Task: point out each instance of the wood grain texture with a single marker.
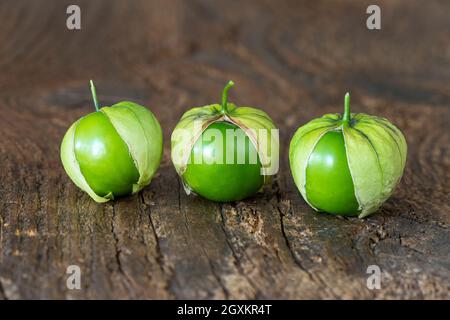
(293, 59)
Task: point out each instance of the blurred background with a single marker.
(295, 59)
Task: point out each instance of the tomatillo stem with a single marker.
(225, 97)
(94, 95)
(346, 117)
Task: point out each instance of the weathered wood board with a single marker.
(293, 59)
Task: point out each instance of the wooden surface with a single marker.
(293, 59)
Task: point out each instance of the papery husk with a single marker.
(141, 132)
(195, 121)
(376, 154)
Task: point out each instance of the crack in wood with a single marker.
(118, 251)
(216, 276)
(234, 254)
(288, 246)
(2, 291)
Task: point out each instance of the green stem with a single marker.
(225, 97)
(94, 95)
(346, 117)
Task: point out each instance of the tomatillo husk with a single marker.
(347, 164)
(114, 151)
(253, 136)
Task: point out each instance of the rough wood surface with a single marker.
(295, 60)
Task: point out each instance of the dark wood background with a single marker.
(295, 60)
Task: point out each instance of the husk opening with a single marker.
(195, 121)
(72, 167)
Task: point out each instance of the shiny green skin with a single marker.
(103, 156)
(223, 182)
(329, 185)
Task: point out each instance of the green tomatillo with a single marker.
(114, 151)
(225, 153)
(347, 164)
